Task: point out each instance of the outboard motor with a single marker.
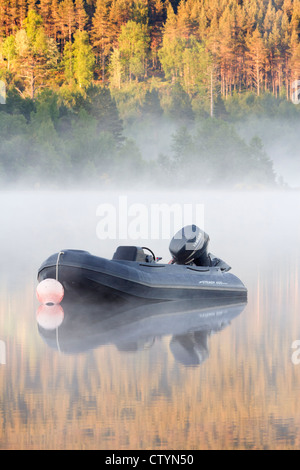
(189, 245)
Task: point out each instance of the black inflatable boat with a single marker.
(192, 274)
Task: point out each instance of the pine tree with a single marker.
(101, 32)
(199, 20)
(67, 19)
(276, 55)
(213, 45)
(36, 55)
(294, 49)
(269, 18)
(55, 14)
(3, 12)
(184, 25)
(45, 10)
(256, 57)
(13, 15)
(22, 11)
(227, 51)
(294, 63)
(102, 107)
(80, 15)
(156, 18)
(170, 31)
(139, 12)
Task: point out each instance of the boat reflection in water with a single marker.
(76, 327)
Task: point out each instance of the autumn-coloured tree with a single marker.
(81, 16)
(3, 10)
(45, 10)
(35, 55)
(101, 32)
(156, 19)
(294, 52)
(256, 57)
(67, 17)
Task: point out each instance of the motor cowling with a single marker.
(189, 245)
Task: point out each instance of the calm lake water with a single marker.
(205, 378)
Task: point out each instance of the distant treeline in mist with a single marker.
(81, 138)
(81, 75)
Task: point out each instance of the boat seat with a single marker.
(129, 253)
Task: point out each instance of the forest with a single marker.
(100, 91)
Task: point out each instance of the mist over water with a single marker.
(245, 150)
(280, 139)
(36, 223)
(131, 386)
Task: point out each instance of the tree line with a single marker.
(80, 74)
(210, 46)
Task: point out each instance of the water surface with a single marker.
(218, 380)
